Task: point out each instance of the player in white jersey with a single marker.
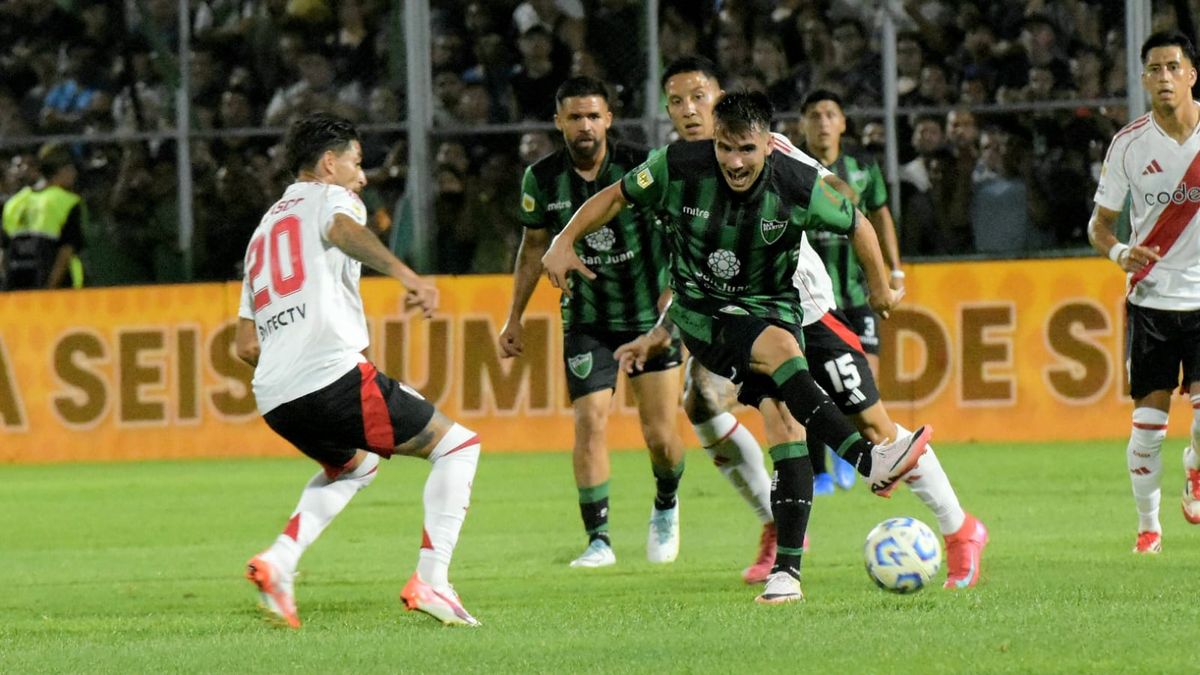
(301, 325)
(1155, 161)
(692, 88)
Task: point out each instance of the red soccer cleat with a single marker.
(761, 569)
(275, 588)
(1148, 543)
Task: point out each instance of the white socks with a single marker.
(739, 458)
(320, 502)
(1145, 464)
(447, 496)
(929, 483)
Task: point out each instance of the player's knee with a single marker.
(660, 438)
(773, 347)
(1149, 431)
(701, 402)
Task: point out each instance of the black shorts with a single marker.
(839, 363)
(727, 353)
(1160, 342)
(865, 324)
(591, 366)
(361, 409)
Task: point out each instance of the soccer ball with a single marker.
(902, 555)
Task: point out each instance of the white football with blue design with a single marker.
(902, 555)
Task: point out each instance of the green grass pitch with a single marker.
(122, 568)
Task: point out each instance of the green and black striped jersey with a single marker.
(628, 254)
(862, 173)
(736, 253)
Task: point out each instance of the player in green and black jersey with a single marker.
(824, 123)
(736, 213)
(609, 307)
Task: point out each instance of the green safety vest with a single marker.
(42, 214)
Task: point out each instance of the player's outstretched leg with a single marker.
(883, 465)
(323, 498)
(447, 496)
(1143, 454)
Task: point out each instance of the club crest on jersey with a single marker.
(580, 365)
(528, 203)
(772, 230)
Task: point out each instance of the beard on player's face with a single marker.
(585, 145)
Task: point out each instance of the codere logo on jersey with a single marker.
(527, 203)
(1182, 193)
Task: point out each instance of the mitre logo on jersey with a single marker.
(1182, 193)
(724, 264)
(772, 230)
(601, 240)
(580, 365)
(559, 206)
(695, 212)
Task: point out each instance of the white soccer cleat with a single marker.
(890, 462)
(662, 542)
(597, 554)
(1191, 492)
(781, 588)
(275, 589)
(440, 603)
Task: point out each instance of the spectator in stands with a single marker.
(973, 91)
(488, 217)
(1006, 208)
(42, 232)
(145, 211)
(537, 76)
(618, 48)
(927, 136)
(72, 94)
(677, 37)
(770, 60)
(910, 56)
(733, 54)
(856, 66)
(1087, 72)
(562, 19)
(493, 68)
(317, 89)
(474, 106)
(447, 90)
(534, 146)
(1039, 38)
(936, 221)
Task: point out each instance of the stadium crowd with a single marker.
(995, 184)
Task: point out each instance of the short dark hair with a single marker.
(817, 95)
(1170, 38)
(691, 64)
(309, 137)
(581, 85)
(53, 157)
(744, 111)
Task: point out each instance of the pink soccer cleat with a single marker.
(440, 603)
(275, 588)
(761, 569)
(1191, 497)
(964, 553)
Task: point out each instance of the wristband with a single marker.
(1114, 253)
(897, 274)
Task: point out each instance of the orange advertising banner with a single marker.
(984, 351)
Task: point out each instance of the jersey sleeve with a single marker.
(646, 184)
(245, 310)
(829, 210)
(1114, 182)
(533, 208)
(340, 200)
(875, 196)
